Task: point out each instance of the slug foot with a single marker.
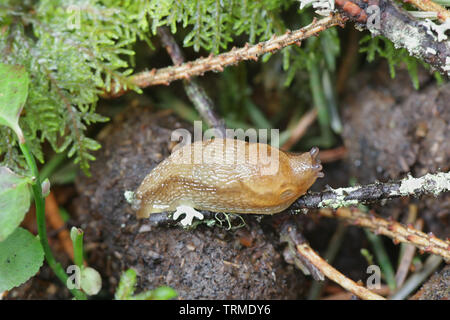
(190, 213)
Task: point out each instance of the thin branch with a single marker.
(345, 197)
(395, 230)
(331, 155)
(300, 129)
(407, 257)
(305, 252)
(195, 92)
(56, 222)
(431, 264)
(383, 291)
(407, 250)
(217, 63)
(333, 248)
(401, 28)
(430, 6)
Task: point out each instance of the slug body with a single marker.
(224, 175)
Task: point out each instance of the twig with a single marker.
(348, 61)
(395, 230)
(195, 92)
(430, 6)
(407, 257)
(408, 249)
(331, 155)
(217, 63)
(345, 197)
(333, 248)
(431, 264)
(289, 231)
(401, 28)
(55, 221)
(300, 129)
(383, 291)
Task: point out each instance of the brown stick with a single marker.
(383, 291)
(348, 61)
(57, 223)
(331, 155)
(430, 6)
(408, 256)
(290, 233)
(408, 249)
(195, 92)
(300, 129)
(395, 230)
(217, 63)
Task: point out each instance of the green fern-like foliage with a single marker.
(384, 48)
(75, 49)
(215, 23)
(72, 50)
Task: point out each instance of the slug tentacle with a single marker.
(315, 162)
(217, 184)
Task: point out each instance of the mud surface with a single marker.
(392, 129)
(438, 287)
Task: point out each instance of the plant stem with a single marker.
(330, 254)
(49, 168)
(431, 264)
(383, 259)
(78, 248)
(40, 217)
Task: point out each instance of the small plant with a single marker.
(127, 285)
(21, 253)
(86, 278)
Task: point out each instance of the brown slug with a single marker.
(224, 175)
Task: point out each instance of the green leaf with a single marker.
(161, 293)
(13, 94)
(21, 256)
(14, 201)
(126, 285)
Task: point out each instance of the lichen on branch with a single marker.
(433, 184)
(384, 17)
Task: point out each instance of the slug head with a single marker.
(306, 168)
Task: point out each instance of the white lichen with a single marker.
(339, 200)
(129, 196)
(447, 65)
(404, 36)
(437, 31)
(322, 7)
(430, 50)
(429, 183)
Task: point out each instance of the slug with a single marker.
(227, 175)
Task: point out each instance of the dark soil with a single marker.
(391, 129)
(438, 287)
